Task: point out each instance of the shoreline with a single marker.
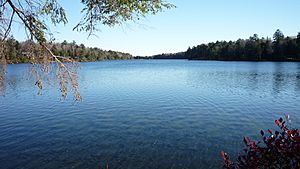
(236, 60)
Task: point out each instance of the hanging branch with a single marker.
(35, 28)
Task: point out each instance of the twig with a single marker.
(9, 27)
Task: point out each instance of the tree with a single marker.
(267, 49)
(11, 47)
(253, 49)
(33, 14)
(298, 38)
(278, 44)
(278, 36)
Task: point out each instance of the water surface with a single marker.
(145, 114)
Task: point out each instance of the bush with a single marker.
(279, 149)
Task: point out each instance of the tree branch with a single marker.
(9, 26)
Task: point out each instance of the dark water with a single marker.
(145, 114)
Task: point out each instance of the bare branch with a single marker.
(9, 26)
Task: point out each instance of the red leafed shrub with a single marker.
(279, 149)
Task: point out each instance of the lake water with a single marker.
(145, 114)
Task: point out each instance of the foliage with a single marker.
(114, 12)
(18, 52)
(253, 49)
(34, 14)
(279, 149)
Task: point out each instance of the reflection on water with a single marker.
(145, 114)
(297, 79)
(278, 78)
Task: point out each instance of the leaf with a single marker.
(262, 132)
(245, 141)
(223, 153)
(248, 138)
(270, 131)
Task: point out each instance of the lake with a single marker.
(144, 114)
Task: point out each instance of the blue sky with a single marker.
(193, 22)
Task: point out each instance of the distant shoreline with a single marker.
(237, 60)
(82, 61)
(290, 60)
(278, 49)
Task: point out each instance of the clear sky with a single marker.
(193, 22)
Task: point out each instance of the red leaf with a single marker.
(270, 131)
(248, 138)
(253, 145)
(223, 154)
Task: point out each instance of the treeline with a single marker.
(280, 48)
(20, 52)
(180, 55)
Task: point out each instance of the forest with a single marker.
(20, 52)
(279, 48)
